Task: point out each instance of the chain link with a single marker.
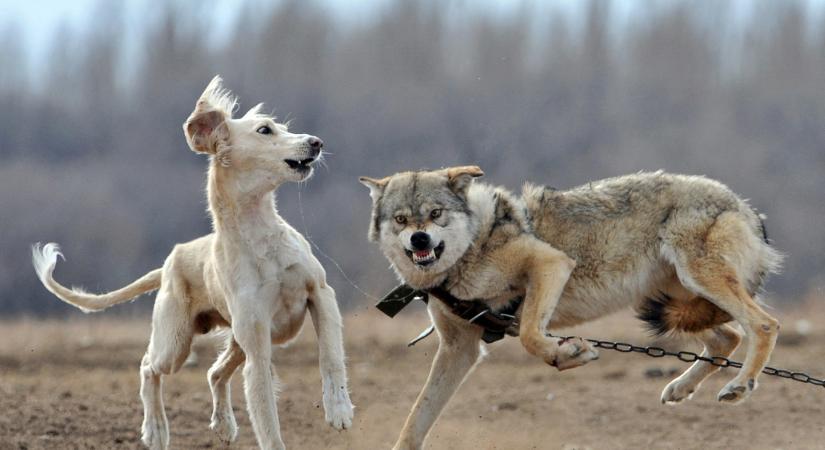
(685, 356)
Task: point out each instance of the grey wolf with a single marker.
(685, 251)
(254, 273)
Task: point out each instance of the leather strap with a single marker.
(496, 324)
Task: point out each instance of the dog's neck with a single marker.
(237, 207)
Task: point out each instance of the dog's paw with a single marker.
(736, 391)
(677, 391)
(225, 427)
(155, 433)
(338, 409)
(573, 352)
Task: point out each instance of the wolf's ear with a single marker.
(206, 126)
(376, 186)
(460, 178)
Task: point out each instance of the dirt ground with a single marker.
(74, 384)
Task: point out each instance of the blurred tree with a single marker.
(94, 155)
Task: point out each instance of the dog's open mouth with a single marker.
(301, 165)
(426, 257)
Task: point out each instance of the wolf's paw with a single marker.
(677, 391)
(573, 352)
(338, 409)
(225, 427)
(736, 391)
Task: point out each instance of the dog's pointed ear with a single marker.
(206, 126)
(460, 178)
(376, 186)
(254, 110)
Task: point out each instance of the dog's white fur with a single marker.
(254, 272)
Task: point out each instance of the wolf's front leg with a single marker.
(328, 325)
(548, 270)
(458, 350)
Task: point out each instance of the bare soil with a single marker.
(74, 384)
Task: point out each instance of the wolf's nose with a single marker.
(420, 240)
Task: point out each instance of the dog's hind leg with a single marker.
(168, 347)
(329, 327)
(458, 351)
(155, 429)
(719, 341)
(712, 267)
(223, 418)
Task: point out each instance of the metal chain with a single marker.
(719, 361)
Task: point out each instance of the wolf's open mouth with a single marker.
(426, 257)
(300, 165)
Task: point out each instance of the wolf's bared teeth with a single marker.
(429, 256)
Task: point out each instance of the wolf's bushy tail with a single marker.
(44, 259)
(664, 314)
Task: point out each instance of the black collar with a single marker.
(495, 323)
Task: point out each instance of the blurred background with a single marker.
(93, 95)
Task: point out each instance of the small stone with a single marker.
(654, 372)
(803, 327)
(615, 375)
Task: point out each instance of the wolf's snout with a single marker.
(420, 240)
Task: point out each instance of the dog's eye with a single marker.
(264, 130)
(435, 214)
(401, 220)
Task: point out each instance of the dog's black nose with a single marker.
(420, 240)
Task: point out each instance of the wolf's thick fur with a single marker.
(254, 273)
(684, 250)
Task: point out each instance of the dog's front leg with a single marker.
(252, 332)
(328, 326)
(547, 271)
(458, 350)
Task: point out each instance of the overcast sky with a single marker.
(38, 20)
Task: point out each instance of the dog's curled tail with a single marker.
(44, 259)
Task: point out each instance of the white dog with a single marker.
(254, 273)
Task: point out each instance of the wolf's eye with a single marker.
(401, 220)
(435, 214)
(264, 130)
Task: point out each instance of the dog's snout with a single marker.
(420, 240)
(315, 143)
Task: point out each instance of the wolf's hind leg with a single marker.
(719, 341)
(710, 267)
